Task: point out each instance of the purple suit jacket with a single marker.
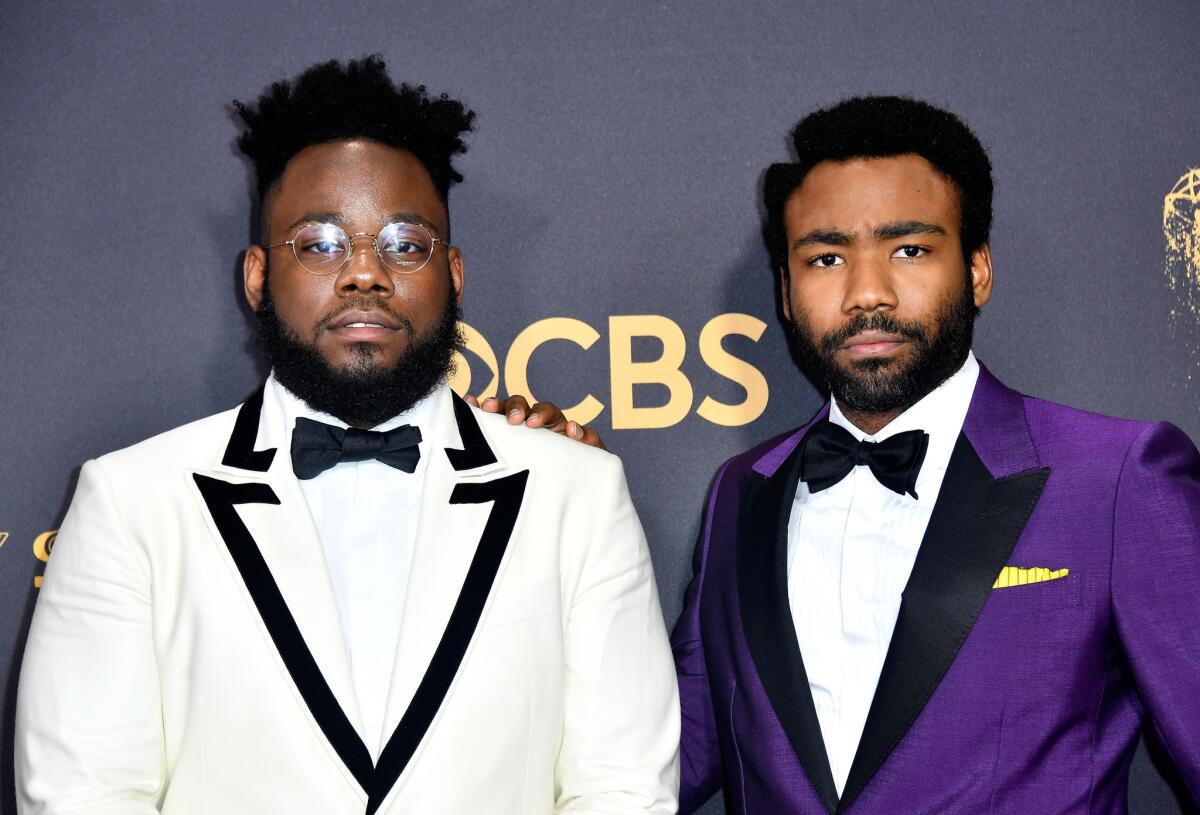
(1023, 699)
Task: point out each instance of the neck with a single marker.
(870, 423)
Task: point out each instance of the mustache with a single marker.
(861, 323)
(364, 304)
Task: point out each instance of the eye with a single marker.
(321, 247)
(320, 241)
(826, 261)
(910, 252)
(401, 247)
(405, 243)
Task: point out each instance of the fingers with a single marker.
(516, 408)
(471, 400)
(547, 415)
(587, 435)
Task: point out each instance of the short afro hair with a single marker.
(880, 127)
(332, 101)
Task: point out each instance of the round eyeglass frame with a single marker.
(434, 241)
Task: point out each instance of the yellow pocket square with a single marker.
(1020, 576)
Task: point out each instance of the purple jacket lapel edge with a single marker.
(997, 428)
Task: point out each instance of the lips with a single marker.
(873, 343)
(364, 326)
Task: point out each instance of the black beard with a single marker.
(365, 393)
(881, 386)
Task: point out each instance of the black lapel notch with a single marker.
(763, 513)
(240, 452)
(971, 534)
(475, 451)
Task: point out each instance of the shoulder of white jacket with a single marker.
(521, 446)
(193, 445)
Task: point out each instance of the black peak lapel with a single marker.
(506, 495)
(766, 505)
(221, 497)
(475, 452)
(240, 451)
(972, 531)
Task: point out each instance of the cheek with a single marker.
(936, 299)
(424, 297)
(300, 302)
(815, 306)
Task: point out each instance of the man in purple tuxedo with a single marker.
(939, 595)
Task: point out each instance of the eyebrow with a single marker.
(898, 229)
(902, 229)
(318, 217)
(329, 217)
(414, 218)
(832, 237)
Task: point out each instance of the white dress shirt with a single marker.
(365, 514)
(851, 548)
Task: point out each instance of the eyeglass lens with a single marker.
(324, 248)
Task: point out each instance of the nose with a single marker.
(364, 271)
(869, 287)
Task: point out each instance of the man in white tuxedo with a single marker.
(354, 593)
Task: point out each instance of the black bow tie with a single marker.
(830, 452)
(317, 446)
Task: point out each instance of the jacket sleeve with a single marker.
(1155, 580)
(620, 745)
(700, 754)
(89, 732)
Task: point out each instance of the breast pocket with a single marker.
(525, 602)
(1044, 595)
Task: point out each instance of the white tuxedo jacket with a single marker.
(186, 655)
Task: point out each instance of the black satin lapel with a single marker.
(220, 497)
(766, 505)
(475, 452)
(972, 531)
(506, 495)
(240, 452)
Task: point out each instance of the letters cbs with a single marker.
(624, 372)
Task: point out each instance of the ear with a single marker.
(981, 275)
(785, 296)
(254, 275)
(454, 255)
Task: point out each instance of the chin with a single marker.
(355, 353)
(874, 365)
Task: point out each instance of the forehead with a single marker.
(861, 193)
(363, 181)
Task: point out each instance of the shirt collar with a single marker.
(940, 413)
(289, 407)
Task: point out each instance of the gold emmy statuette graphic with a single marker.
(625, 372)
(1181, 230)
(3, 538)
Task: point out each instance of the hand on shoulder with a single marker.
(545, 415)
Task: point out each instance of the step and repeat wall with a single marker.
(610, 221)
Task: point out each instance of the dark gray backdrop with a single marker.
(614, 172)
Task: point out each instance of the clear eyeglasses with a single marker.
(323, 249)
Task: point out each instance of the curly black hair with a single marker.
(356, 99)
(878, 127)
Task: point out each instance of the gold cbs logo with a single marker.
(624, 372)
(42, 545)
